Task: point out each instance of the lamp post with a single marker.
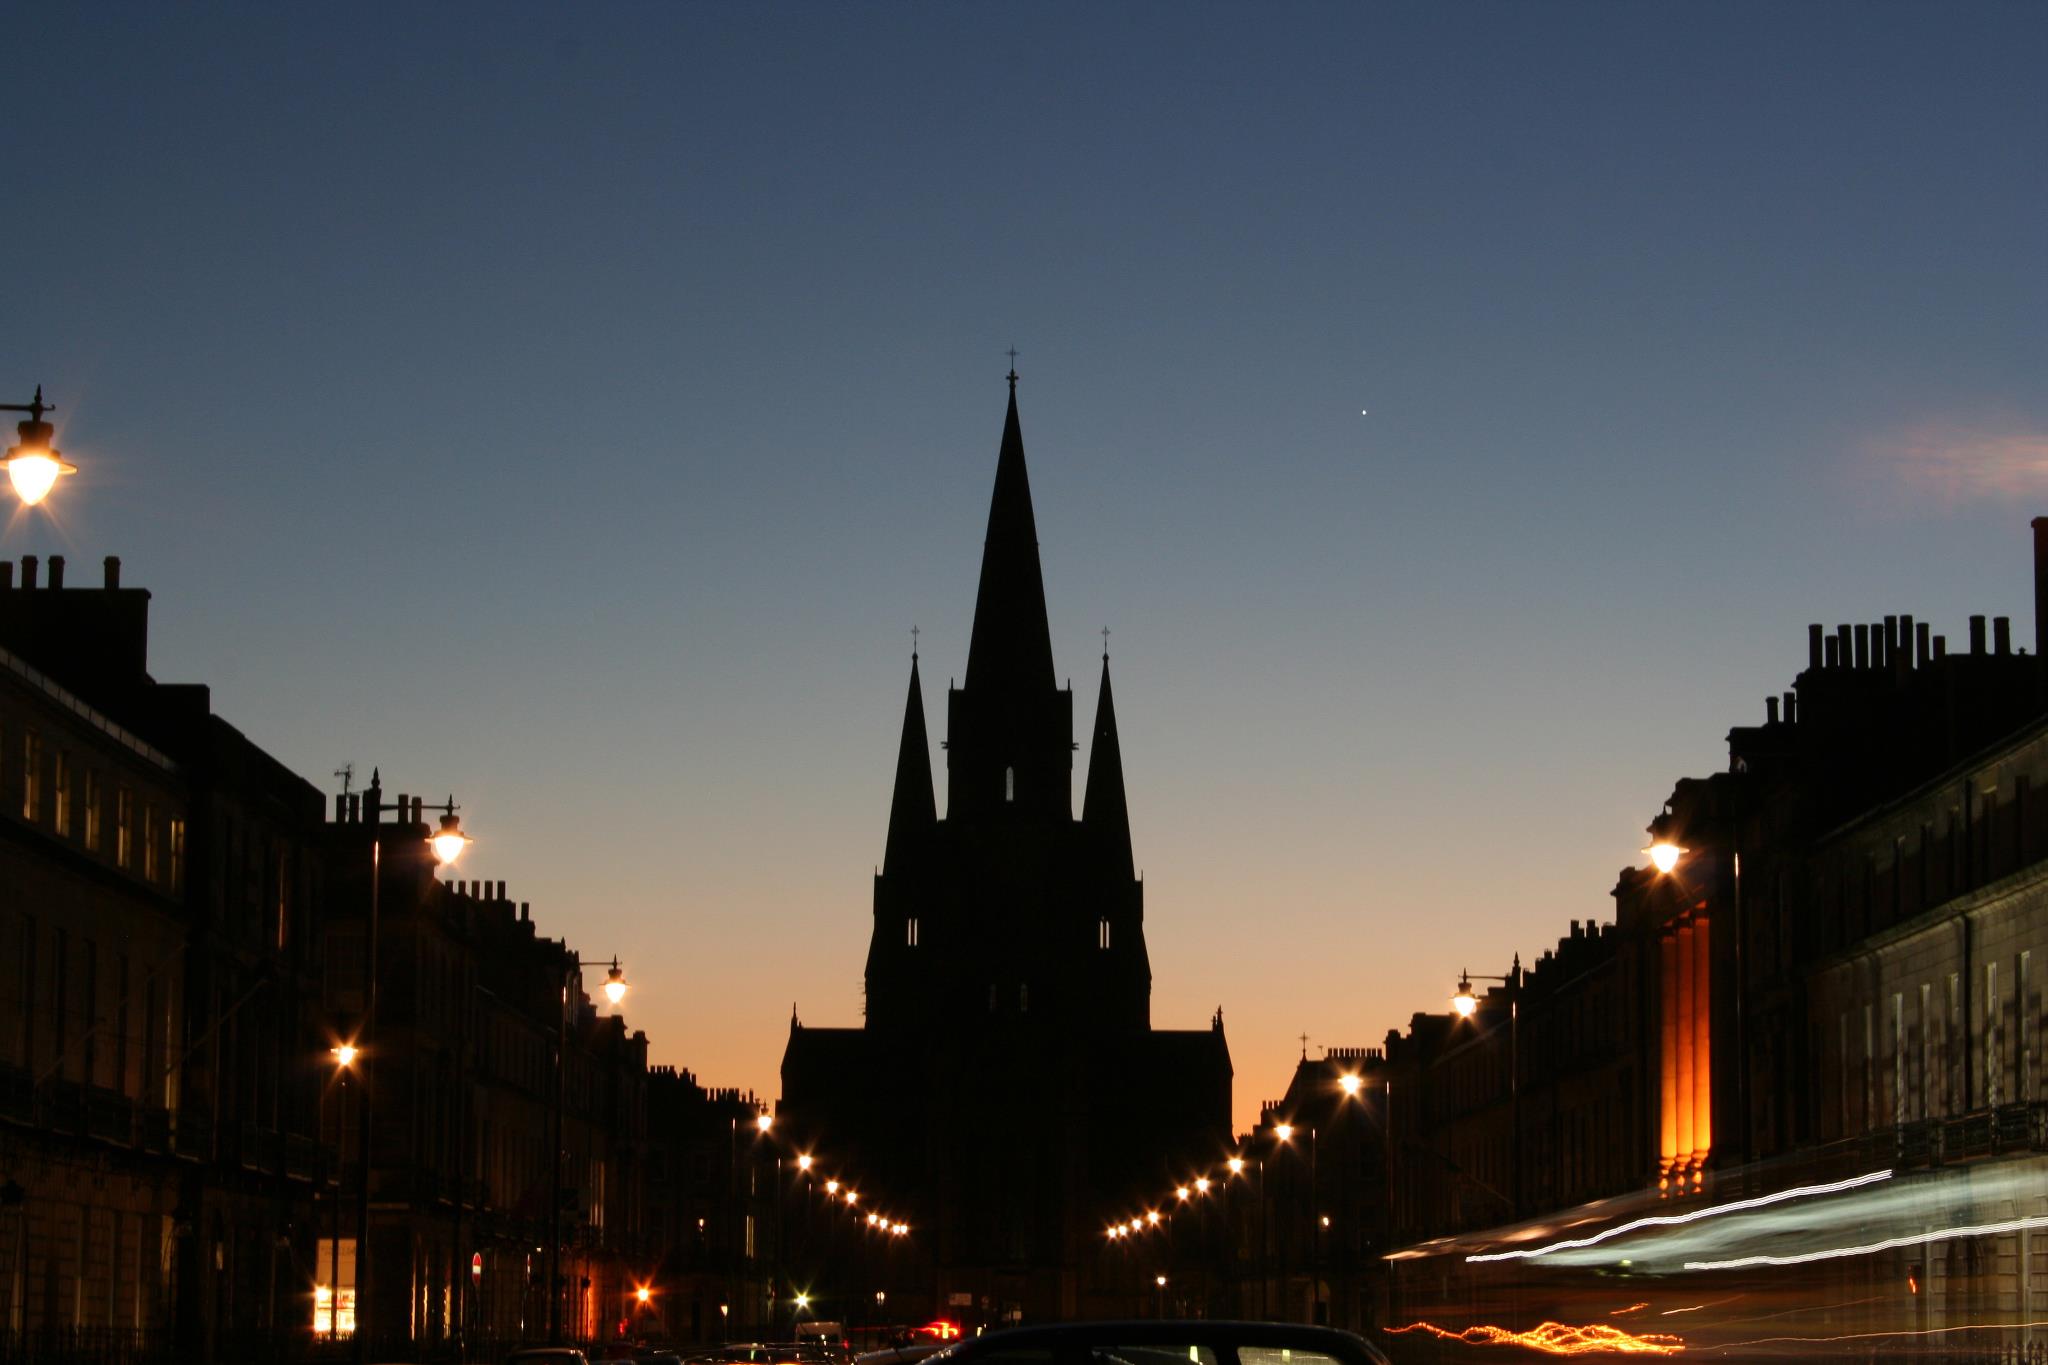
(447, 844)
(573, 968)
(34, 465)
(344, 1055)
(1467, 1005)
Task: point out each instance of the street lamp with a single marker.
(573, 968)
(1467, 1005)
(34, 465)
(1664, 855)
(447, 845)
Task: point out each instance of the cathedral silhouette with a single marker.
(1007, 1084)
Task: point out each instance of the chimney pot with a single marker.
(1791, 708)
(1941, 646)
(1891, 641)
(1922, 651)
(6, 575)
(1862, 646)
(56, 571)
(1834, 652)
(501, 892)
(1976, 635)
(2001, 631)
(1848, 649)
(2041, 586)
(1904, 658)
(113, 566)
(1770, 710)
(1813, 649)
(28, 571)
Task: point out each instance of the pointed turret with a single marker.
(912, 811)
(1011, 647)
(1104, 813)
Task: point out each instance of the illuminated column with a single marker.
(1702, 1046)
(1667, 1014)
(1685, 1045)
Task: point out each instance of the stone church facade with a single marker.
(1007, 1086)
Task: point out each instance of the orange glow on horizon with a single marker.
(1559, 1339)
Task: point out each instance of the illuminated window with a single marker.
(334, 1288)
(124, 827)
(92, 811)
(1009, 784)
(149, 842)
(31, 776)
(177, 855)
(1102, 932)
(910, 931)
(60, 790)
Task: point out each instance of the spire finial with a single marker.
(913, 644)
(1013, 354)
(1304, 1047)
(1105, 644)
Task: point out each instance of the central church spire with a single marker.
(1011, 647)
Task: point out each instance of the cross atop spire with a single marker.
(913, 644)
(1105, 644)
(1012, 353)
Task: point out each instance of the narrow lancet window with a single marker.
(1009, 784)
(1102, 932)
(910, 931)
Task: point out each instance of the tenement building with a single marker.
(1825, 989)
(1007, 1079)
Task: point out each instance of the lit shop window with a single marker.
(334, 1292)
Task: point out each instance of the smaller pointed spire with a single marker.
(1104, 811)
(912, 810)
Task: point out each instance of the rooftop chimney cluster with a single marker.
(31, 570)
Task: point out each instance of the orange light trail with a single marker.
(1630, 1309)
(1560, 1339)
(1900, 1332)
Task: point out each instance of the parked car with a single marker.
(1156, 1342)
(548, 1355)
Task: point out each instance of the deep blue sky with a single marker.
(575, 407)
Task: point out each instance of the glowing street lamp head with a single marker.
(615, 983)
(853, 1196)
(803, 1161)
(832, 1187)
(344, 1054)
(1182, 1193)
(1284, 1131)
(1152, 1217)
(34, 465)
(1464, 1002)
(449, 841)
(643, 1293)
(803, 1300)
(1664, 856)
(764, 1122)
(1159, 1280)
(1236, 1165)
(1348, 1083)
(1202, 1184)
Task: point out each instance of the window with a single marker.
(177, 855)
(910, 931)
(31, 776)
(92, 811)
(1993, 1071)
(1102, 932)
(124, 827)
(1009, 784)
(149, 858)
(60, 791)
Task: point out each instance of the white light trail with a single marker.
(1665, 1220)
(1869, 1248)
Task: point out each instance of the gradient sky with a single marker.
(574, 408)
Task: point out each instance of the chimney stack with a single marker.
(6, 575)
(1848, 650)
(28, 572)
(113, 571)
(1834, 652)
(56, 571)
(1770, 710)
(1813, 649)
(1976, 635)
(1922, 652)
(1862, 646)
(2001, 631)
(1791, 708)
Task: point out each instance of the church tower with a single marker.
(1006, 1082)
(1009, 907)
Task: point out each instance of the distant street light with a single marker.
(34, 465)
(1349, 1083)
(1467, 1004)
(343, 1054)
(764, 1122)
(1664, 855)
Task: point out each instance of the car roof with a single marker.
(1344, 1346)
